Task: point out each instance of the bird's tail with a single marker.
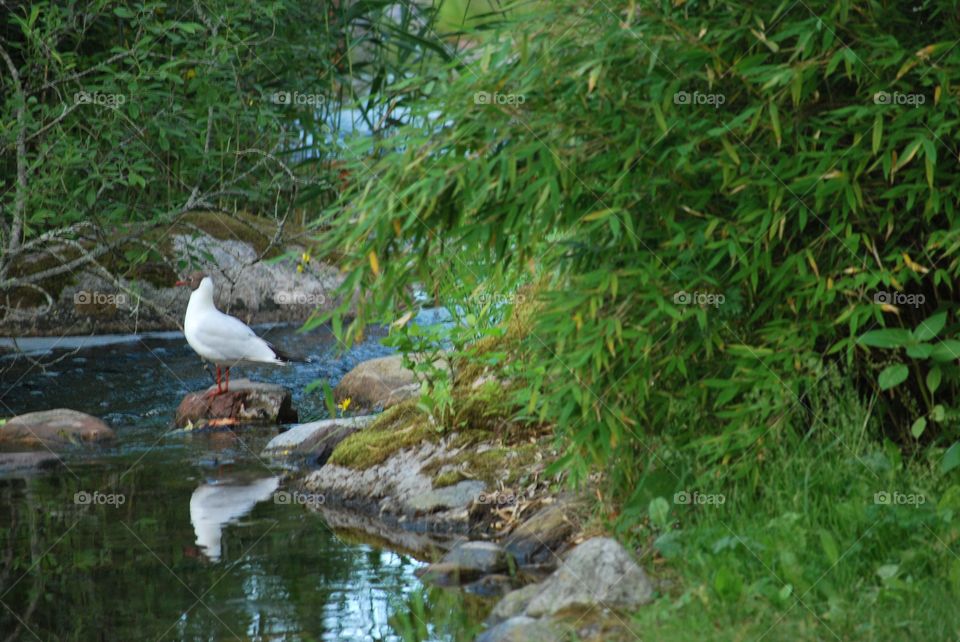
(285, 358)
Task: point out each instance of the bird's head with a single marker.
(193, 280)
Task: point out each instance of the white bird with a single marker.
(220, 338)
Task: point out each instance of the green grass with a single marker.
(801, 550)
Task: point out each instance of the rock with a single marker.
(495, 585)
(314, 441)
(485, 557)
(398, 492)
(379, 383)
(54, 429)
(443, 574)
(246, 402)
(539, 539)
(458, 496)
(524, 629)
(513, 603)
(11, 463)
(466, 562)
(597, 572)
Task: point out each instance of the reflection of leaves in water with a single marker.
(452, 615)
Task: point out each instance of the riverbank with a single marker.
(132, 290)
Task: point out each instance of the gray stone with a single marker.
(466, 562)
(597, 572)
(458, 496)
(485, 557)
(379, 383)
(315, 440)
(54, 429)
(524, 629)
(399, 492)
(513, 603)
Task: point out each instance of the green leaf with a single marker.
(931, 327)
(951, 459)
(829, 545)
(919, 351)
(893, 376)
(934, 377)
(946, 350)
(886, 338)
(918, 427)
(877, 132)
(659, 511)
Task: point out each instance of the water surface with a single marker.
(179, 536)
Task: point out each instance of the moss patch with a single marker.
(399, 427)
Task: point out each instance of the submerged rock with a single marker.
(58, 428)
(379, 383)
(246, 402)
(314, 441)
(11, 463)
(598, 572)
(524, 629)
(466, 562)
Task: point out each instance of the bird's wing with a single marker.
(233, 339)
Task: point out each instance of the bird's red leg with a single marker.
(227, 387)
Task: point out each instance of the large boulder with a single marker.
(379, 383)
(313, 442)
(54, 429)
(244, 403)
(598, 572)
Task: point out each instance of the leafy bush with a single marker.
(717, 196)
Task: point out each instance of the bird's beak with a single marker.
(179, 283)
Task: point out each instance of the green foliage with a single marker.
(717, 197)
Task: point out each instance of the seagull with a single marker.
(221, 338)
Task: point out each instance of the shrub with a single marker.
(715, 196)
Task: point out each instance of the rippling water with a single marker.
(173, 536)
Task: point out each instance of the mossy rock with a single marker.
(402, 426)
